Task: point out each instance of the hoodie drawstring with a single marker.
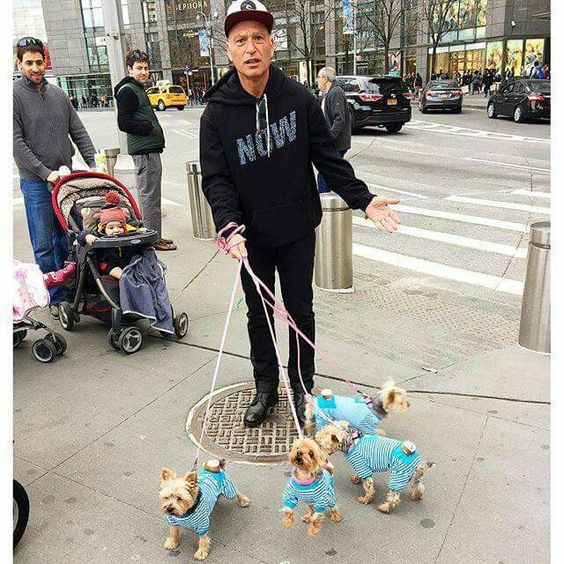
(268, 141)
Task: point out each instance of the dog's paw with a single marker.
(314, 528)
(336, 516)
(355, 479)
(365, 500)
(385, 508)
(416, 495)
(287, 522)
(380, 432)
(170, 543)
(201, 554)
(243, 501)
(306, 518)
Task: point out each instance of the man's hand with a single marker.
(381, 215)
(53, 177)
(238, 250)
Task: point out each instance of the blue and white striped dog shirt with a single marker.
(320, 494)
(212, 485)
(373, 453)
(354, 410)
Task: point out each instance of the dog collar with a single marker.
(312, 480)
(194, 507)
(378, 408)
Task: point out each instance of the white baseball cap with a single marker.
(243, 10)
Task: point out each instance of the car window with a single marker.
(519, 89)
(351, 85)
(152, 90)
(508, 89)
(540, 87)
(443, 84)
(176, 90)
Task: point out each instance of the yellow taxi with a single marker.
(165, 95)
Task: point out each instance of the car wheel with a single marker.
(491, 111)
(518, 115)
(161, 106)
(180, 107)
(394, 127)
(43, 350)
(130, 340)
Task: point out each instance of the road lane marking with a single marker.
(439, 270)
(184, 133)
(486, 221)
(532, 194)
(467, 242)
(171, 203)
(497, 204)
(387, 189)
(497, 163)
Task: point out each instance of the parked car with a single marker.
(383, 101)
(441, 95)
(522, 99)
(163, 96)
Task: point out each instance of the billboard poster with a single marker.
(494, 51)
(395, 63)
(472, 13)
(348, 17)
(204, 43)
(280, 37)
(534, 51)
(514, 56)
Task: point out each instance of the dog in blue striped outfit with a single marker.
(364, 413)
(368, 454)
(188, 502)
(311, 483)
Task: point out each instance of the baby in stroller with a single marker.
(118, 278)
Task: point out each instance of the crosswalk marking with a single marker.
(452, 239)
(510, 165)
(497, 204)
(477, 220)
(388, 189)
(532, 194)
(184, 133)
(440, 270)
(171, 203)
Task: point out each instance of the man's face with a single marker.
(139, 71)
(322, 82)
(250, 48)
(32, 66)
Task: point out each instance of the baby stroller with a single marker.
(30, 293)
(77, 200)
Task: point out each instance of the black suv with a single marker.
(383, 101)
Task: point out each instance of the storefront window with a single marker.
(475, 59)
(97, 53)
(534, 49)
(514, 56)
(494, 52)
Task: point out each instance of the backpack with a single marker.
(540, 74)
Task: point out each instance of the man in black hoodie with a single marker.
(260, 134)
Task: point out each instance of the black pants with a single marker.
(294, 263)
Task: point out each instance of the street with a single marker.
(436, 306)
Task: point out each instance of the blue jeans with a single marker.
(321, 184)
(48, 240)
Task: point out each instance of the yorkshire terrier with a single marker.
(311, 483)
(188, 502)
(373, 453)
(365, 414)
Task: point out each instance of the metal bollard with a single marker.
(126, 173)
(333, 246)
(202, 219)
(111, 156)
(534, 330)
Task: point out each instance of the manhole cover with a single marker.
(227, 437)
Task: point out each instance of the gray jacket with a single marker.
(43, 121)
(338, 117)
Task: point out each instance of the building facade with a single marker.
(180, 36)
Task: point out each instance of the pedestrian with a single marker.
(487, 81)
(336, 111)
(535, 70)
(145, 141)
(259, 135)
(546, 71)
(44, 118)
(418, 85)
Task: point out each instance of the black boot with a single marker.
(300, 404)
(256, 412)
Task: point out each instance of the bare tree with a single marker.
(384, 16)
(435, 15)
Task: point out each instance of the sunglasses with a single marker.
(261, 115)
(25, 41)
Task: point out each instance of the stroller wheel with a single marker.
(66, 316)
(181, 325)
(43, 350)
(113, 340)
(130, 340)
(19, 336)
(58, 340)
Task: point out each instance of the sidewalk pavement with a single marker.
(93, 429)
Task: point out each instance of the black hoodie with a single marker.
(265, 179)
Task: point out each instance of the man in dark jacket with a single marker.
(259, 136)
(145, 141)
(44, 124)
(335, 109)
